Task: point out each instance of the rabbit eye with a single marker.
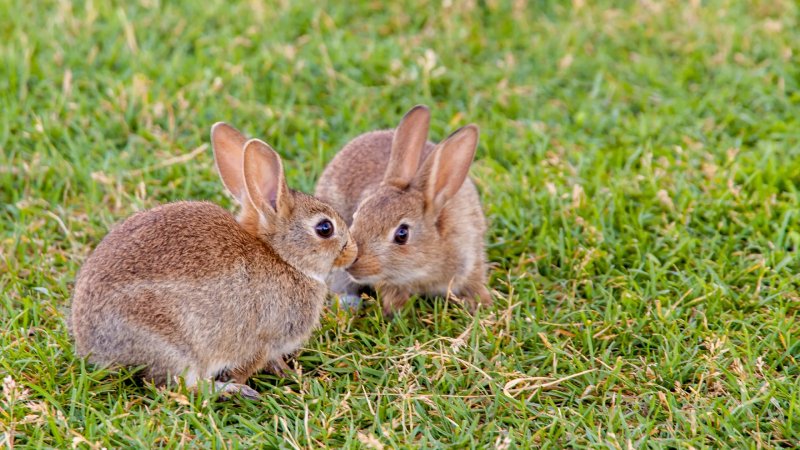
(324, 228)
(401, 234)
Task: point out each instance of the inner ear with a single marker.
(408, 141)
(264, 179)
(228, 145)
(443, 172)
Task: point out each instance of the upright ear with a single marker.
(443, 172)
(228, 144)
(409, 140)
(264, 180)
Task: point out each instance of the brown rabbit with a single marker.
(185, 289)
(414, 213)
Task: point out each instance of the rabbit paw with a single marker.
(229, 389)
(278, 367)
(351, 302)
(225, 375)
(392, 300)
(476, 296)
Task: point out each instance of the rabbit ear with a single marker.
(445, 169)
(409, 139)
(264, 179)
(228, 144)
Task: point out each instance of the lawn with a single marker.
(639, 165)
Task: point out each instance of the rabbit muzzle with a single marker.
(347, 256)
(365, 269)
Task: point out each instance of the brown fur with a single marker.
(383, 178)
(187, 289)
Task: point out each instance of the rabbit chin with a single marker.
(417, 276)
(316, 277)
(365, 280)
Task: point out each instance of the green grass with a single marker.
(639, 163)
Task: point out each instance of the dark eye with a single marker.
(324, 228)
(401, 234)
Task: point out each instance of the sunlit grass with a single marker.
(639, 164)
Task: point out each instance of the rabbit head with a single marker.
(409, 228)
(303, 231)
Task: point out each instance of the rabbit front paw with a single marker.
(278, 367)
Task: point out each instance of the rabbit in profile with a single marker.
(187, 289)
(413, 211)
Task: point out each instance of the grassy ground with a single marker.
(639, 163)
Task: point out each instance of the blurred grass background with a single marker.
(639, 164)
